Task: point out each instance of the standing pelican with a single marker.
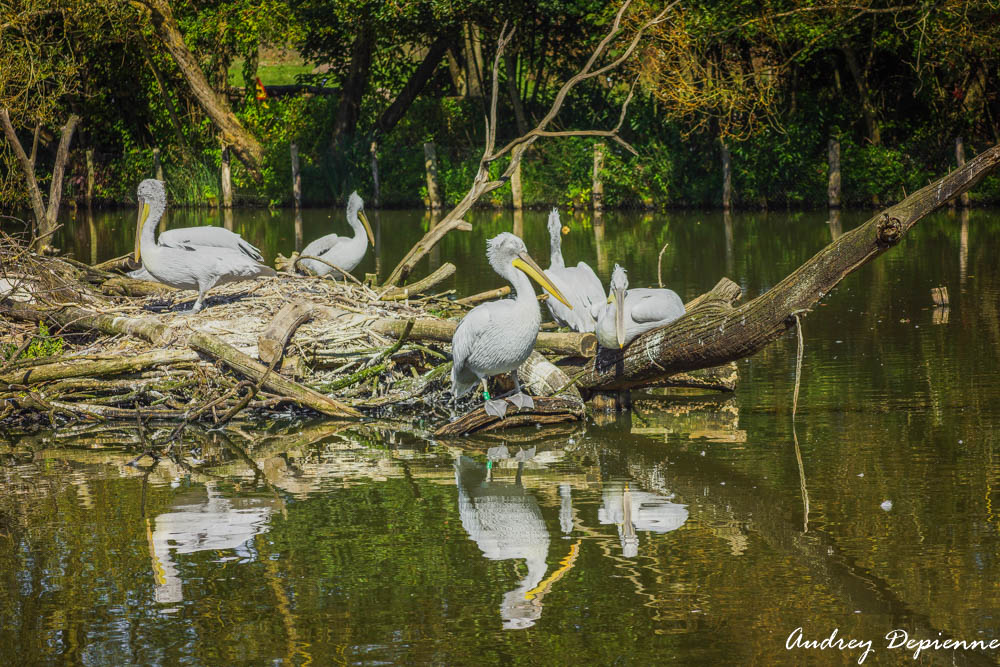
(579, 283)
(344, 252)
(629, 313)
(215, 237)
(497, 336)
(182, 266)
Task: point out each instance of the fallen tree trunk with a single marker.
(713, 332)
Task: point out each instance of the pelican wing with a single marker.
(590, 287)
(323, 244)
(465, 344)
(654, 305)
(215, 237)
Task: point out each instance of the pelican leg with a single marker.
(519, 399)
(494, 407)
(197, 304)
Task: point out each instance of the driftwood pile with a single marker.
(275, 346)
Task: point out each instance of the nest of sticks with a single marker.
(275, 347)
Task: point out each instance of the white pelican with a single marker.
(497, 336)
(182, 266)
(579, 283)
(344, 252)
(630, 312)
(638, 510)
(216, 237)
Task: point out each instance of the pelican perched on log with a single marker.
(497, 336)
(344, 252)
(186, 266)
(630, 312)
(579, 283)
(215, 237)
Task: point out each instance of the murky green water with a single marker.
(372, 544)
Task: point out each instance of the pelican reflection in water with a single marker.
(497, 336)
(635, 511)
(198, 524)
(505, 521)
(344, 252)
(186, 266)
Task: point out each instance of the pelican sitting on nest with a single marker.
(579, 283)
(344, 252)
(186, 266)
(497, 336)
(630, 312)
(215, 237)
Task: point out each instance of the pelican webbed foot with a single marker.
(521, 401)
(496, 408)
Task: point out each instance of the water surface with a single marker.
(314, 543)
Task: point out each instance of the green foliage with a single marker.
(41, 345)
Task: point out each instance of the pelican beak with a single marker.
(565, 230)
(619, 298)
(368, 227)
(524, 262)
(140, 222)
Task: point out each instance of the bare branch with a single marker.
(37, 205)
(482, 183)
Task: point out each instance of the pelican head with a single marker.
(619, 285)
(506, 251)
(356, 211)
(150, 191)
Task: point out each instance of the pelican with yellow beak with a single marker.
(344, 252)
(496, 337)
(630, 312)
(185, 266)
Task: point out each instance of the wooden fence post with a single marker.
(433, 189)
(296, 177)
(727, 179)
(90, 177)
(377, 194)
(833, 189)
(157, 166)
(960, 159)
(227, 180)
(597, 190)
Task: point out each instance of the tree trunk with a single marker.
(455, 70)
(89, 198)
(960, 161)
(167, 100)
(27, 166)
(296, 177)
(227, 180)
(248, 149)
(473, 60)
(349, 109)
(597, 189)
(414, 85)
(516, 192)
(433, 189)
(515, 97)
(833, 189)
(867, 108)
(727, 178)
(713, 332)
(45, 216)
(157, 165)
